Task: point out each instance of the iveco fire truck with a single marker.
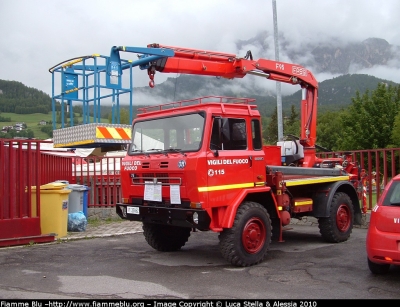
(200, 164)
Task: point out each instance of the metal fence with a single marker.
(102, 174)
(23, 167)
(378, 166)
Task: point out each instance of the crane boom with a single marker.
(227, 65)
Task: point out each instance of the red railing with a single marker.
(380, 165)
(23, 167)
(102, 176)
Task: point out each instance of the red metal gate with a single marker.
(102, 176)
(379, 165)
(23, 166)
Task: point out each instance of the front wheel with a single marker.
(165, 238)
(247, 242)
(339, 225)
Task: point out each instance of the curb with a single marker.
(106, 229)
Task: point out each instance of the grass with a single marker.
(94, 222)
(374, 199)
(32, 122)
(373, 202)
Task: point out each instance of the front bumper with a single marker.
(182, 217)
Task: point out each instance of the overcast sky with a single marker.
(38, 34)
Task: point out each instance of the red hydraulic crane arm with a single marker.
(226, 65)
(296, 74)
(196, 53)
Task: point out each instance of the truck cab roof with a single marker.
(218, 104)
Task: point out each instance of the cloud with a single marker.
(38, 34)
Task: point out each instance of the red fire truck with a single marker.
(200, 164)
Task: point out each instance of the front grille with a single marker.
(163, 178)
(163, 164)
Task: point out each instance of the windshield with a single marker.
(175, 133)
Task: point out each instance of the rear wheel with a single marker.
(339, 225)
(378, 268)
(247, 242)
(165, 238)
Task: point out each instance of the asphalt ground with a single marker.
(111, 260)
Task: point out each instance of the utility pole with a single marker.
(278, 84)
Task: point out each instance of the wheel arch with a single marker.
(322, 199)
(262, 196)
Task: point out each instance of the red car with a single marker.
(383, 235)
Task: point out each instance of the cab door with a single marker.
(229, 160)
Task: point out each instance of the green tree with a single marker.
(48, 129)
(270, 133)
(58, 117)
(329, 130)
(396, 125)
(123, 115)
(368, 123)
(13, 133)
(292, 123)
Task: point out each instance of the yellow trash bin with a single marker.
(53, 208)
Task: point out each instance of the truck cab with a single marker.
(195, 159)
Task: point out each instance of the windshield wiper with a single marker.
(154, 149)
(175, 150)
(136, 151)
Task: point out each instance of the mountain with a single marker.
(334, 94)
(334, 57)
(15, 97)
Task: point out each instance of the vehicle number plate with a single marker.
(133, 210)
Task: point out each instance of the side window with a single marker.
(215, 140)
(228, 134)
(393, 196)
(256, 134)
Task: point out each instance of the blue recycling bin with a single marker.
(85, 200)
(78, 198)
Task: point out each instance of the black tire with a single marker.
(165, 238)
(378, 268)
(247, 242)
(339, 225)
